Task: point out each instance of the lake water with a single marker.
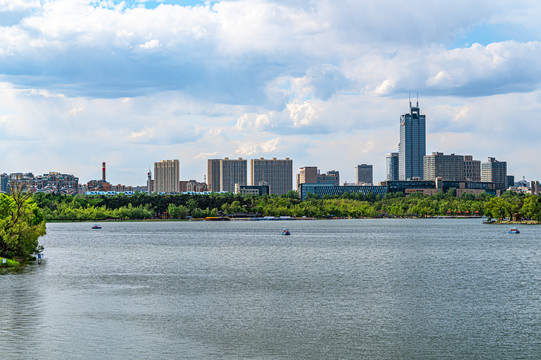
(336, 289)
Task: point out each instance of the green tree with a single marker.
(498, 208)
(21, 224)
(531, 207)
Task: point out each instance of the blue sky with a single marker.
(322, 82)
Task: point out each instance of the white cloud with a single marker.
(252, 149)
(206, 155)
(321, 82)
(152, 44)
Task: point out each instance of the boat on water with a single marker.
(514, 231)
(286, 232)
(96, 226)
(217, 218)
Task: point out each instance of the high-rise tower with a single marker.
(412, 147)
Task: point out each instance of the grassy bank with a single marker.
(9, 262)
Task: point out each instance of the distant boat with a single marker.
(514, 231)
(217, 218)
(286, 232)
(96, 226)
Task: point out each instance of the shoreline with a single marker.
(282, 219)
(512, 222)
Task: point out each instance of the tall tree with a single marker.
(21, 224)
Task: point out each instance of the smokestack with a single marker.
(103, 171)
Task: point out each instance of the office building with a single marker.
(331, 177)
(391, 167)
(495, 171)
(167, 176)
(431, 187)
(472, 168)
(364, 175)
(306, 175)
(311, 175)
(412, 147)
(277, 173)
(447, 167)
(321, 190)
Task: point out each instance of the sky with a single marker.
(321, 82)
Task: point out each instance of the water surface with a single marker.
(336, 289)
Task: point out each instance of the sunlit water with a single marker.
(337, 289)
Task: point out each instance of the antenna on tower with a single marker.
(417, 99)
(409, 97)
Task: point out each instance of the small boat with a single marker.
(286, 232)
(217, 218)
(514, 231)
(96, 226)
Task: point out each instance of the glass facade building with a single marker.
(412, 147)
(391, 167)
(320, 190)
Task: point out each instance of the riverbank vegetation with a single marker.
(21, 225)
(8, 262)
(142, 206)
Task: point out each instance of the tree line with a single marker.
(354, 205)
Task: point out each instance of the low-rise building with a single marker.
(320, 190)
(192, 186)
(98, 185)
(312, 175)
(252, 189)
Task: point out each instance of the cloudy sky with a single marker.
(322, 82)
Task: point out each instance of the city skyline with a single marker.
(130, 83)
